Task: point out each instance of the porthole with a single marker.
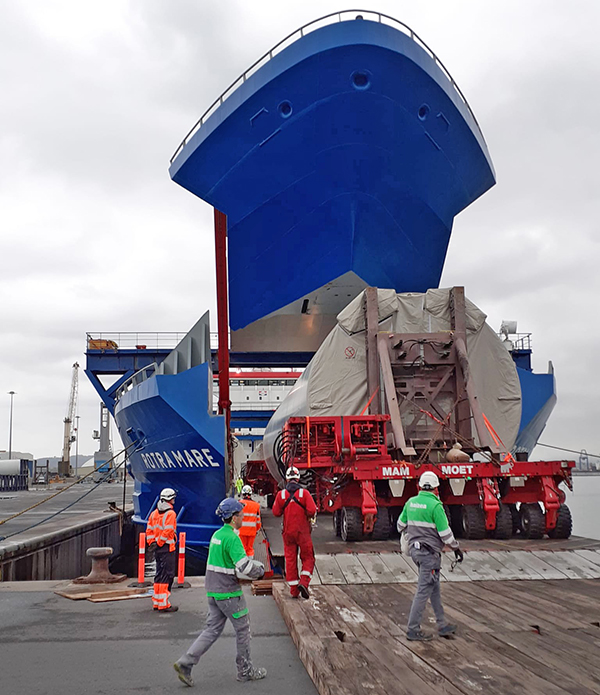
(285, 109)
(423, 111)
(361, 79)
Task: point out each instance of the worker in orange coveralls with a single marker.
(251, 524)
(298, 509)
(161, 529)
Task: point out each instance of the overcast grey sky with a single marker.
(95, 237)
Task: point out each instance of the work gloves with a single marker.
(459, 555)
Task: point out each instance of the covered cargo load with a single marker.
(335, 381)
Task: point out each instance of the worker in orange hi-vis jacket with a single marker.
(251, 524)
(299, 510)
(162, 531)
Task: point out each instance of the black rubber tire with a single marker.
(533, 521)
(473, 522)
(351, 524)
(382, 526)
(564, 523)
(456, 520)
(337, 522)
(516, 519)
(504, 523)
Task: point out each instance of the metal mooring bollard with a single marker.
(100, 574)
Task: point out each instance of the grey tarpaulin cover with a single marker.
(335, 382)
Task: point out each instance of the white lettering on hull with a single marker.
(180, 459)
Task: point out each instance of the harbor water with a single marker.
(584, 503)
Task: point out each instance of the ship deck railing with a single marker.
(333, 18)
(129, 340)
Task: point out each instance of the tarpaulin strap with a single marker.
(364, 410)
(308, 439)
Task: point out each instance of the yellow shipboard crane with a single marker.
(64, 466)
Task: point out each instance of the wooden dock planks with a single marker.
(478, 565)
(521, 637)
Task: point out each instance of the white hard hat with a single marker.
(168, 494)
(429, 481)
(246, 490)
(292, 473)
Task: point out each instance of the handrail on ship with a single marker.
(244, 76)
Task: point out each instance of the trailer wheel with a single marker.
(564, 523)
(337, 524)
(504, 523)
(533, 522)
(473, 522)
(516, 518)
(382, 526)
(351, 524)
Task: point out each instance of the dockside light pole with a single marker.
(76, 443)
(12, 395)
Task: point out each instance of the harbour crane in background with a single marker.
(64, 466)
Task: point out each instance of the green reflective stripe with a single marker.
(240, 614)
(222, 596)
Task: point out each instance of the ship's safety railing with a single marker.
(516, 341)
(135, 379)
(332, 18)
(138, 341)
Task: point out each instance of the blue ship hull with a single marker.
(178, 444)
(350, 151)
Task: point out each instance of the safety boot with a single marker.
(253, 674)
(304, 592)
(447, 630)
(418, 636)
(184, 673)
(169, 609)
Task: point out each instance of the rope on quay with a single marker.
(76, 482)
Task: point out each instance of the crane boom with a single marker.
(64, 466)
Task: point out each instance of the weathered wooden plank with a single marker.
(512, 562)
(379, 638)
(453, 575)
(329, 570)
(550, 609)
(376, 568)
(570, 564)
(399, 567)
(353, 571)
(567, 593)
(592, 556)
(478, 566)
(543, 568)
(535, 659)
(518, 607)
(492, 565)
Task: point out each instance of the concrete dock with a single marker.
(50, 645)
(55, 548)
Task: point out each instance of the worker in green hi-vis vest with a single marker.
(227, 560)
(425, 526)
(239, 484)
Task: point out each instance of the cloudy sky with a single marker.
(95, 237)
